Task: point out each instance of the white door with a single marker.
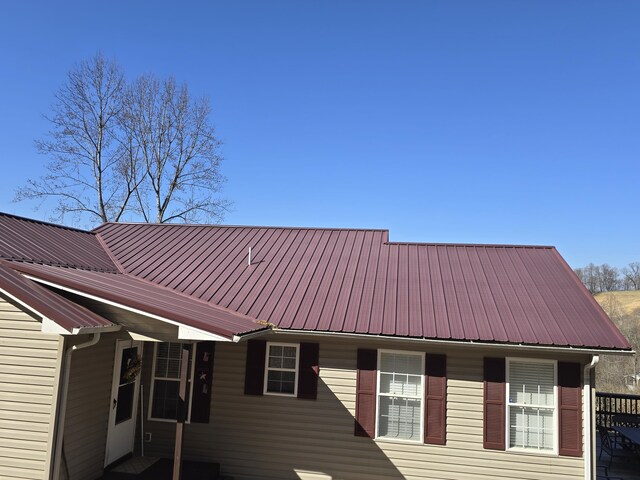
(124, 400)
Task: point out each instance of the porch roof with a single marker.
(125, 290)
(65, 313)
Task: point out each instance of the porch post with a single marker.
(182, 410)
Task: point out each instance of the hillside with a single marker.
(620, 303)
(616, 373)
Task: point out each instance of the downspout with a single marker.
(57, 458)
(587, 421)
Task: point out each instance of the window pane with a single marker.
(401, 363)
(531, 383)
(401, 384)
(282, 357)
(289, 352)
(165, 399)
(289, 363)
(124, 406)
(161, 367)
(275, 362)
(531, 428)
(166, 384)
(399, 418)
(281, 382)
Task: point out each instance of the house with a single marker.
(311, 353)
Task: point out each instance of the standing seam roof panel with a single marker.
(495, 327)
(336, 282)
(231, 268)
(544, 312)
(503, 312)
(470, 329)
(227, 292)
(319, 297)
(285, 315)
(282, 290)
(356, 261)
(271, 284)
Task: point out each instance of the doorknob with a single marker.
(115, 402)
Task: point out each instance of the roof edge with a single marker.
(217, 225)
(435, 341)
(472, 245)
(42, 222)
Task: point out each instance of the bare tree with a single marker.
(632, 275)
(84, 173)
(145, 150)
(607, 278)
(178, 152)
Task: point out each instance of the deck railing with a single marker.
(617, 409)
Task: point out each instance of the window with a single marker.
(531, 404)
(165, 383)
(281, 374)
(400, 395)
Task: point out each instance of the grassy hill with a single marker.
(620, 303)
(624, 309)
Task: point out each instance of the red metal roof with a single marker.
(62, 311)
(33, 241)
(355, 281)
(144, 296)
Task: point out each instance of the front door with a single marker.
(124, 397)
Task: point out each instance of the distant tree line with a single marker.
(605, 278)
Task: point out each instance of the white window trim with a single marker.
(556, 433)
(422, 399)
(153, 383)
(296, 370)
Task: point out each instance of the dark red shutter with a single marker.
(435, 395)
(254, 371)
(308, 371)
(203, 373)
(570, 404)
(365, 424)
(494, 403)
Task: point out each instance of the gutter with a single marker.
(588, 421)
(62, 408)
(429, 341)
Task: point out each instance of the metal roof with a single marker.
(33, 241)
(355, 281)
(64, 312)
(143, 296)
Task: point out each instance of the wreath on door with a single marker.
(134, 365)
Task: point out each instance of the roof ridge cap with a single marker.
(483, 245)
(43, 222)
(216, 225)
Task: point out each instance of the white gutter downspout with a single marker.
(587, 421)
(57, 458)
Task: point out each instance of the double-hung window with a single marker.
(531, 404)
(281, 374)
(165, 384)
(400, 395)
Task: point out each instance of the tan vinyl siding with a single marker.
(88, 408)
(274, 437)
(29, 371)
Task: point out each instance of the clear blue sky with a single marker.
(443, 121)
